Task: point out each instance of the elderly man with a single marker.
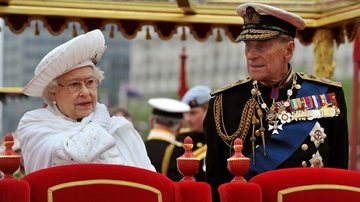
(285, 119)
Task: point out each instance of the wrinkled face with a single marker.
(76, 94)
(195, 117)
(267, 61)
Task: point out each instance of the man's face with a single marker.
(267, 61)
(195, 117)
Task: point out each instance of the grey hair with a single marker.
(285, 38)
(53, 85)
(172, 123)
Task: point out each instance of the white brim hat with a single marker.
(263, 22)
(81, 51)
(168, 107)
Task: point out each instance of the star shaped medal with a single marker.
(275, 127)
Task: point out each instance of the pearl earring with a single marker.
(54, 102)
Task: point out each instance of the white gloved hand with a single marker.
(101, 115)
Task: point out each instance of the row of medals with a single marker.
(277, 111)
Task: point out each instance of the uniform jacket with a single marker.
(293, 146)
(160, 145)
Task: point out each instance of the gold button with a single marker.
(304, 164)
(304, 147)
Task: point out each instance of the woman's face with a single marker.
(77, 93)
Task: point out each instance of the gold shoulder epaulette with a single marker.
(310, 77)
(230, 86)
(200, 152)
(184, 130)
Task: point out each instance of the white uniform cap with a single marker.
(168, 107)
(81, 51)
(197, 96)
(262, 22)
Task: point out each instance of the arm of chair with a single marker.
(240, 191)
(192, 191)
(14, 190)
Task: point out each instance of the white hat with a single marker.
(168, 107)
(83, 50)
(197, 96)
(262, 22)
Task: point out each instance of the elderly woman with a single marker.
(73, 128)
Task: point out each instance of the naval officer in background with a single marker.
(165, 122)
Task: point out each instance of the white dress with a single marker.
(49, 138)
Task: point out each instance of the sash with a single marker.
(280, 147)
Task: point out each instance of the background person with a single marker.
(197, 98)
(74, 128)
(165, 122)
(121, 112)
(285, 119)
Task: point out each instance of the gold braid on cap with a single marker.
(248, 117)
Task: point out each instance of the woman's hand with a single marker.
(101, 115)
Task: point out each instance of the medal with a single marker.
(277, 111)
(285, 117)
(275, 127)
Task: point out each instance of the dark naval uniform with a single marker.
(198, 150)
(310, 132)
(160, 147)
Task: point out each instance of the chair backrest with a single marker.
(99, 182)
(309, 184)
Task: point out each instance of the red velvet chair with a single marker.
(11, 190)
(110, 183)
(309, 184)
(240, 191)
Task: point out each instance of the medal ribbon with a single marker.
(281, 146)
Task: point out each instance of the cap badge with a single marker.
(193, 103)
(251, 16)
